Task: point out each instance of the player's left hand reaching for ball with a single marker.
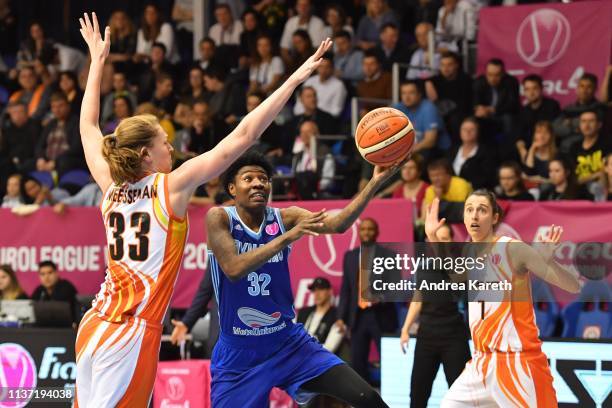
(90, 30)
(382, 174)
(548, 243)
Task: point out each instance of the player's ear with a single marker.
(232, 189)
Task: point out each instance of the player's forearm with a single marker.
(413, 312)
(345, 218)
(90, 107)
(563, 277)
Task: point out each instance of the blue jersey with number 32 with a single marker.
(259, 307)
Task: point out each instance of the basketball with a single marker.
(384, 136)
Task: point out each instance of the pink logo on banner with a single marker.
(543, 37)
(272, 229)
(175, 388)
(17, 370)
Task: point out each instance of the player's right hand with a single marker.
(179, 333)
(98, 48)
(432, 224)
(404, 337)
(311, 64)
(310, 225)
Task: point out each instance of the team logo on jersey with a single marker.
(255, 318)
(238, 227)
(496, 259)
(272, 229)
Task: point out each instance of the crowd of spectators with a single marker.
(489, 137)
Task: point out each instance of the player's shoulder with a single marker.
(217, 216)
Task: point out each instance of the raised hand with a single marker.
(312, 63)
(310, 225)
(432, 224)
(90, 30)
(382, 174)
(179, 332)
(548, 243)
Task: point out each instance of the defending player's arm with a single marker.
(200, 169)
(234, 265)
(340, 222)
(542, 264)
(91, 136)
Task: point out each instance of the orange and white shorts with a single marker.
(116, 362)
(503, 380)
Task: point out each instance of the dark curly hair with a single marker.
(250, 158)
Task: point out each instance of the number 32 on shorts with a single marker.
(259, 283)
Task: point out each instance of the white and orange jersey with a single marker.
(145, 247)
(507, 326)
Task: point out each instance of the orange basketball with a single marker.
(384, 136)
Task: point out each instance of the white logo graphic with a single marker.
(255, 318)
(323, 248)
(175, 388)
(543, 37)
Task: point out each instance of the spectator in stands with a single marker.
(336, 21)
(34, 192)
(52, 287)
(195, 89)
(423, 11)
(451, 91)
(588, 153)
(120, 87)
(153, 29)
(472, 160)
(456, 22)
(563, 184)
(606, 179)
(213, 194)
(163, 96)
(496, 100)
(122, 109)
(10, 289)
(319, 320)
(605, 89)
(364, 321)
(378, 14)
(8, 27)
(89, 196)
(248, 38)
(537, 108)
(59, 148)
(123, 37)
(19, 138)
(511, 185)
(156, 65)
(165, 123)
(445, 186)
(567, 126)
(411, 186)
(182, 17)
(301, 50)
(303, 20)
(308, 99)
(208, 51)
(32, 93)
(267, 68)
(69, 85)
(376, 82)
(313, 165)
(421, 64)
(331, 93)
(13, 197)
(390, 48)
(200, 137)
(271, 141)
(35, 47)
(542, 150)
(428, 125)
(348, 61)
(227, 100)
(227, 30)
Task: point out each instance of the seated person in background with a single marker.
(428, 126)
(226, 102)
(410, 186)
(606, 180)
(511, 185)
(567, 126)
(267, 69)
(13, 196)
(376, 83)
(331, 93)
(163, 97)
(325, 122)
(154, 66)
(536, 109)
(212, 193)
(301, 51)
(59, 148)
(226, 31)
(121, 87)
(313, 165)
(473, 161)
(89, 196)
(450, 189)
(420, 65)
(542, 150)
(208, 57)
(390, 49)
(33, 94)
(451, 91)
(271, 142)
(457, 21)
(377, 14)
(304, 20)
(9, 285)
(122, 109)
(52, 287)
(20, 134)
(587, 154)
(348, 60)
(563, 184)
(496, 100)
(33, 192)
(318, 320)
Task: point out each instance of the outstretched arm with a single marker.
(208, 165)
(91, 136)
(342, 221)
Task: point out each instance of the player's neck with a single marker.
(252, 218)
(322, 309)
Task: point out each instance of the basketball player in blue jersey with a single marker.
(259, 346)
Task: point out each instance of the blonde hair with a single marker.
(14, 290)
(122, 149)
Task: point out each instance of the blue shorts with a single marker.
(244, 376)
